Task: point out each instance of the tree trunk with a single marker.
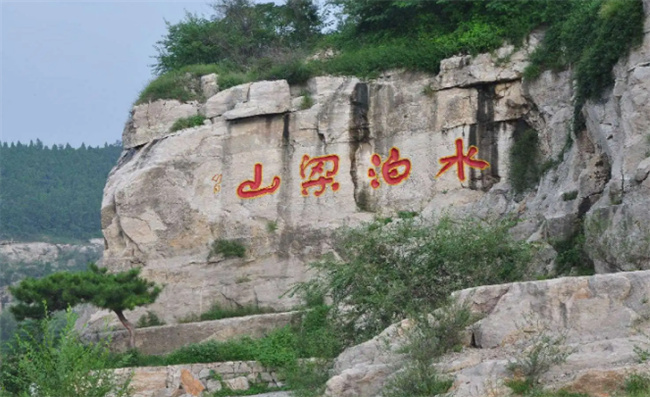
(129, 327)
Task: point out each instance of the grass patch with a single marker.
(216, 312)
(182, 84)
(637, 385)
(188, 122)
(227, 248)
(307, 101)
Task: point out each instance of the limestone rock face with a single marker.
(153, 120)
(264, 97)
(277, 169)
(599, 319)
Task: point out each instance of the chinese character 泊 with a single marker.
(251, 189)
(460, 159)
(394, 170)
(317, 167)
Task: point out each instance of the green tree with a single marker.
(239, 35)
(49, 361)
(113, 291)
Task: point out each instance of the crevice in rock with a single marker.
(359, 133)
(283, 208)
(484, 135)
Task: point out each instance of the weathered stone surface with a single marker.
(190, 384)
(153, 120)
(209, 85)
(225, 100)
(264, 97)
(239, 383)
(167, 338)
(600, 320)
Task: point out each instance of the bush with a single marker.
(150, 319)
(429, 340)
(542, 352)
(227, 248)
(390, 271)
(592, 36)
(51, 362)
(187, 122)
(637, 385)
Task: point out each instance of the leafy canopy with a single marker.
(112, 291)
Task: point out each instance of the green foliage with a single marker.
(112, 291)
(271, 226)
(390, 271)
(307, 101)
(571, 256)
(227, 248)
(217, 312)
(312, 336)
(568, 196)
(637, 385)
(52, 193)
(524, 161)
(150, 319)
(592, 36)
(253, 390)
(52, 362)
(544, 351)
(182, 84)
(188, 122)
(429, 340)
(240, 33)
(523, 387)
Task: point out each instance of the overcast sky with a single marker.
(71, 70)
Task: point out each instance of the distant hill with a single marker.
(53, 193)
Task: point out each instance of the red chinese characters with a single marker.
(322, 170)
(253, 189)
(394, 170)
(460, 159)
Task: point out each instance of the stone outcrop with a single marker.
(598, 319)
(167, 338)
(277, 169)
(173, 194)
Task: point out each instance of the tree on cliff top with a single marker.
(113, 291)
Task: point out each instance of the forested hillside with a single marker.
(52, 193)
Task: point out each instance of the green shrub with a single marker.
(307, 101)
(592, 36)
(295, 72)
(50, 361)
(227, 248)
(637, 385)
(271, 226)
(544, 351)
(188, 122)
(390, 271)
(429, 340)
(150, 319)
(569, 196)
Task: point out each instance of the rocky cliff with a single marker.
(276, 168)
